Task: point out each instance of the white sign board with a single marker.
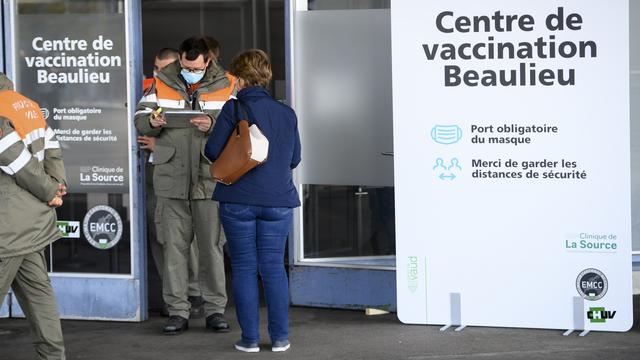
(512, 169)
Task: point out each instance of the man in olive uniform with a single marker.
(32, 183)
(163, 58)
(182, 182)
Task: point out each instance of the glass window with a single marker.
(344, 107)
(75, 67)
(348, 221)
(236, 24)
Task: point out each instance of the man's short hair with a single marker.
(167, 53)
(253, 66)
(194, 47)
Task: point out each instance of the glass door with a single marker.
(73, 59)
(4, 303)
(344, 249)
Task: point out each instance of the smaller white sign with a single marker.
(69, 229)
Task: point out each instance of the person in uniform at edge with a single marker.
(214, 48)
(257, 211)
(182, 183)
(163, 58)
(32, 183)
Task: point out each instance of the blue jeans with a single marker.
(256, 236)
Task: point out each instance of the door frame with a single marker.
(85, 296)
(331, 283)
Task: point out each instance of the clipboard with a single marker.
(180, 118)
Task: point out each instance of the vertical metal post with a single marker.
(137, 198)
(4, 53)
(9, 9)
(201, 17)
(2, 39)
(267, 27)
(254, 23)
(243, 32)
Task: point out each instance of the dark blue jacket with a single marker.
(271, 183)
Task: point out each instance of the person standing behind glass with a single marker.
(182, 183)
(257, 211)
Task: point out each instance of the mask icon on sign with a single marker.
(446, 134)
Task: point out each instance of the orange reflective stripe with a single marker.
(23, 113)
(221, 94)
(164, 91)
(165, 94)
(146, 84)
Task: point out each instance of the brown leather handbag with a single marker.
(246, 148)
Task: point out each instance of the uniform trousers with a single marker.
(177, 221)
(156, 247)
(27, 276)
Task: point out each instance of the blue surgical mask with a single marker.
(191, 77)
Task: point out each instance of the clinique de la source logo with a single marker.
(412, 274)
(592, 284)
(599, 315)
(101, 175)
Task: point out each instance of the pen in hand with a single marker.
(157, 118)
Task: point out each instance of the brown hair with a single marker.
(253, 66)
(212, 44)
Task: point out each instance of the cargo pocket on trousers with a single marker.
(157, 221)
(163, 171)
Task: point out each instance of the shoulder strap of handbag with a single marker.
(235, 111)
(247, 110)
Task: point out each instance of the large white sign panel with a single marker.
(511, 133)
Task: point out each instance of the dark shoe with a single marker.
(175, 325)
(246, 347)
(197, 309)
(217, 323)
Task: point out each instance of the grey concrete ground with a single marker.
(325, 334)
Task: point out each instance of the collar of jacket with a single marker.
(170, 75)
(252, 91)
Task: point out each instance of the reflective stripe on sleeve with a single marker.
(171, 104)
(18, 163)
(48, 142)
(8, 140)
(51, 145)
(211, 105)
(144, 111)
(39, 155)
(149, 98)
(33, 136)
(49, 134)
